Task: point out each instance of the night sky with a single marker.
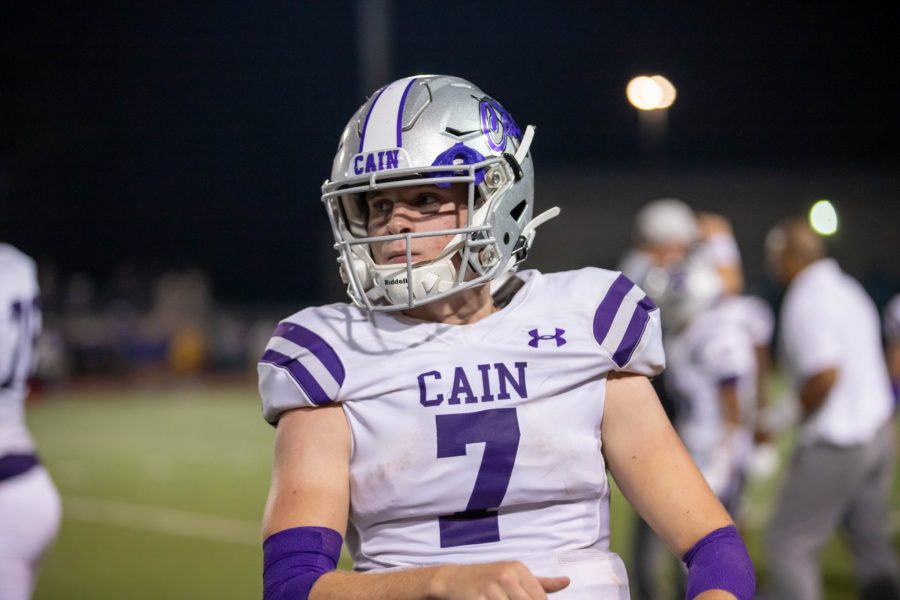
(165, 135)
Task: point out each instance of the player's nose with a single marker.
(401, 219)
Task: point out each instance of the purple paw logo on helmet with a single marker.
(497, 124)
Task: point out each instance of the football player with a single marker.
(712, 371)
(29, 503)
(668, 234)
(456, 440)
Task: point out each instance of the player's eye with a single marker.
(428, 202)
(380, 206)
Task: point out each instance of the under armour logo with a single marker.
(536, 338)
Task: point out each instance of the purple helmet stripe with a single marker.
(634, 332)
(299, 374)
(400, 113)
(362, 137)
(609, 306)
(304, 337)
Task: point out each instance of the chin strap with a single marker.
(526, 238)
(428, 279)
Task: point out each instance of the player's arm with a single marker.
(729, 403)
(718, 236)
(655, 472)
(761, 432)
(310, 495)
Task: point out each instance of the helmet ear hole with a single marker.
(356, 213)
(518, 209)
(506, 239)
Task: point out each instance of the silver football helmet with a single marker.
(683, 291)
(432, 129)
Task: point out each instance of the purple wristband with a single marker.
(719, 561)
(294, 559)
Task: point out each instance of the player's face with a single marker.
(415, 210)
(668, 255)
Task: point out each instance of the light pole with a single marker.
(373, 44)
(652, 96)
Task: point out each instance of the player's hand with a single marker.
(509, 580)
(711, 224)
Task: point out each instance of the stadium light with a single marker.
(650, 92)
(668, 91)
(652, 95)
(823, 218)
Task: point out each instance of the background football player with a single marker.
(459, 445)
(672, 240)
(30, 507)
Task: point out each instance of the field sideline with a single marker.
(163, 492)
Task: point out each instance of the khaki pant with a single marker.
(829, 487)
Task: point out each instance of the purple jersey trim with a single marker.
(12, 465)
(298, 373)
(304, 337)
(634, 332)
(362, 137)
(400, 113)
(609, 306)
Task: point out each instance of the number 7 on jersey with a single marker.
(499, 430)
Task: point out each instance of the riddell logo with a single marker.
(394, 281)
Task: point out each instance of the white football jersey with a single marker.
(755, 314)
(715, 348)
(20, 324)
(477, 442)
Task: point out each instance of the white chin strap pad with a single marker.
(427, 280)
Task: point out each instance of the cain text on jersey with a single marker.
(485, 383)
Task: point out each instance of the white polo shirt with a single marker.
(828, 321)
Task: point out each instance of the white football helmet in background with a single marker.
(666, 221)
(432, 129)
(683, 291)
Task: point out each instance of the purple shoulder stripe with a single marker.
(609, 306)
(304, 337)
(634, 332)
(298, 373)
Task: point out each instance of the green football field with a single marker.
(163, 492)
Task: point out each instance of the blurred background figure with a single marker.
(712, 368)
(663, 232)
(892, 333)
(718, 246)
(713, 376)
(717, 345)
(30, 507)
(841, 469)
